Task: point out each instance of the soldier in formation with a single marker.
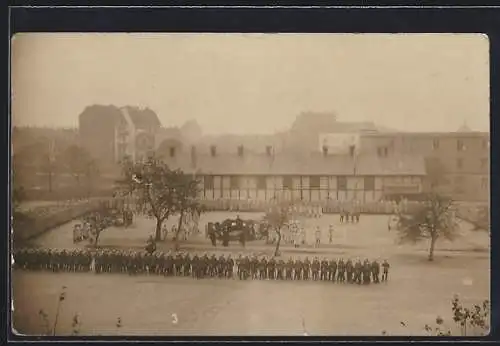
(200, 266)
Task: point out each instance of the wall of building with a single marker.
(339, 188)
(464, 158)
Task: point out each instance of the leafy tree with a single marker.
(278, 217)
(433, 219)
(186, 201)
(164, 192)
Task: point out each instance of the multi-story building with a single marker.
(314, 177)
(457, 163)
(110, 133)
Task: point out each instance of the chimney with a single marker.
(213, 150)
(269, 150)
(193, 156)
(240, 150)
(325, 150)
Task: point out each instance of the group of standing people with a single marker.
(200, 266)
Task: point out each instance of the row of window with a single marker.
(314, 183)
(460, 144)
(383, 151)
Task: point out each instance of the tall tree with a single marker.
(277, 218)
(164, 192)
(433, 220)
(187, 189)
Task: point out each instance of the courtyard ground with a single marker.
(417, 292)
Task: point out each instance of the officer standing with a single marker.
(385, 267)
(332, 270)
(349, 269)
(324, 269)
(306, 267)
(357, 272)
(341, 270)
(375, 271)
(315, 268)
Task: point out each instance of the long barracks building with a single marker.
(314, 177)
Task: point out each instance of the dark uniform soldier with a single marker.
(341, 269)
(245, 267)
(297, 270)
(229, 267)
(271, 268)
(358, 267)
(385, 266)
(375, 267)
(254, 266)
(349, 270)
(210, 264)
(332, 270)
(289, 269)
(186, 268)
(324, 269)
(221, 266)
(195, 267)
(239, 264)
(263, 268)
(306, 267)
(169, 264)
(280, 270)
(315, 266)
(204, 267)
(366, 272)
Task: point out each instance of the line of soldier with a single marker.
(183, 264)
(53, 260)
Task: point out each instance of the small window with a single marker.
(435, 144)
(342, 183)
(172, 151)
(484, 163)
(314, 182)
(369, 183)
(287, 183)
(261, 183)
(208, 182)
(460, 163)
(234, 182)
(386, 151)
(460, 145)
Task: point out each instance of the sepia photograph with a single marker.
(238, 184)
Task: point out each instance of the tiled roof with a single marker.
(298, 165)
(143, 118)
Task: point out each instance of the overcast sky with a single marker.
(259, 83)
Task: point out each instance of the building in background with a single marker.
(110, 133)
(457, 163)
(313, 177)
